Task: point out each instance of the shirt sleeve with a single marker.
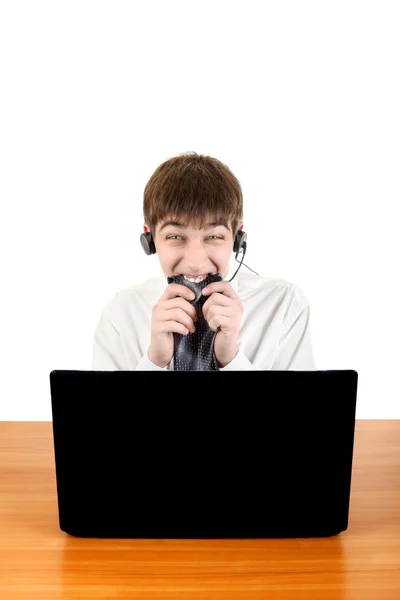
(294, 351)
(239, 363)
(109, 352)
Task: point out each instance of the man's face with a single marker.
(193, 252)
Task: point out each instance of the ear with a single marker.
(145, 228)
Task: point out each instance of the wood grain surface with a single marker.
(38, 560)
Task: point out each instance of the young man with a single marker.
(193, 211)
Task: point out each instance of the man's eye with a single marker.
(170, 237)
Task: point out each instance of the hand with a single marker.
(172, 313)
(223, 312)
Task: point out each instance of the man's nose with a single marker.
(196, 257)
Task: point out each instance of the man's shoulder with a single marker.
(145, 288)
(145, 293)
(251, 285)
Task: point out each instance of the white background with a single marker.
(300, 99)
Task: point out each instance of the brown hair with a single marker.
(190, 187)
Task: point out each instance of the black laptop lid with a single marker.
(203, 454)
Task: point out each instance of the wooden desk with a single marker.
(38, 560)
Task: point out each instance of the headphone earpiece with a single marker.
(240, 242)
(146, 239)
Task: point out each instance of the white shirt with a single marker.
(274, 333)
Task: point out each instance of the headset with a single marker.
(240, 244)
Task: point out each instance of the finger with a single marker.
(181, 303)
(221, 322)
(173, 327)
(176, 289)
(223, 287)
(180, 316)
(219, 299)
(217, 310)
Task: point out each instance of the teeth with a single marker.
(195, 279)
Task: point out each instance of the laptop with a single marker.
(203, 454)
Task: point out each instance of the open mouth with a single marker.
(195, 279)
